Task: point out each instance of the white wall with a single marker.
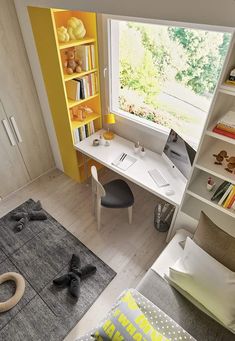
(206, 12)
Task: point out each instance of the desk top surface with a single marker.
(138, 172)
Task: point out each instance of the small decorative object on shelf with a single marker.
(62, 34)
(142, 152)
(210, 184)
(102, 142)
(96, 142)
(77, 114)
(136, 147)
(76, 29)
(231, 164)
(220, 157)
(231, 78)
(72, 64)
(109, 119)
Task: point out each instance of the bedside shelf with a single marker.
(216, 170)
(89, 118)
(72, 43)
(198, 190)
(78, 75)
(72, 103)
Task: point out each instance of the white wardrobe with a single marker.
(25, 151)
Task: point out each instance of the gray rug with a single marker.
(42, 252)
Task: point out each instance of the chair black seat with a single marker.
(118, 195)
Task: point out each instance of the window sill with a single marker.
(141, 122)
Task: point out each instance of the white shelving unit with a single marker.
(197, 198)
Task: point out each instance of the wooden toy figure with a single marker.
(230, 165)
(220, 157)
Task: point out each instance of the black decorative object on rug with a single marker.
(73, 278)
(34, 212)
(41, 252)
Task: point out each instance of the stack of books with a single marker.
(86, 54)
(81, 88)
(83, 132)
(226, 125)
(225, 195)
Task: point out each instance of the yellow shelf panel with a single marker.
(76, 43)
(54, 10)
(72, 103)
(89, 118)
(78, 75)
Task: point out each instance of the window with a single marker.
(164, 76)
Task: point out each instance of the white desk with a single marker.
(138, 172)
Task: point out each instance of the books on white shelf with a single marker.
(86, 53)
(83, 132)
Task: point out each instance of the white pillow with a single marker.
(206, 280)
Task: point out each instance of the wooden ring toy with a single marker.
(19, 292)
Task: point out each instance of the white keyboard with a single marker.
(158, 178)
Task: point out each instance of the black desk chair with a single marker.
(114, 194)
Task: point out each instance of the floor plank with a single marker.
(129, 249)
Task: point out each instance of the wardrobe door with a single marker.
(13, 173)
(18, 93)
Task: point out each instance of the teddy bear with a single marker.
(72, 64)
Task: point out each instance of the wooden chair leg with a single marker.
(98, 214)
(130, 214)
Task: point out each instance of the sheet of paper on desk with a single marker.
(125, 163)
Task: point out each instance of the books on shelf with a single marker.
(73, 89)
(226, 125)
(225, 195)
(83, 132)
(86, 53)
(83, 87)
(224, 133)
(220, 191)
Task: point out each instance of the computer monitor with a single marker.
(180, 153)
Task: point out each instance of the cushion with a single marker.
(219, 244)
(20, 288)
(207, 281)
(118, 195)
(127, 322)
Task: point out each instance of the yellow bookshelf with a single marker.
(45, 22)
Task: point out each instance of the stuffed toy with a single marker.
(62, 34)
(231, 164)
(76, 29)
(72, 64)
(73, 278)
(220, 157)
(23, 217)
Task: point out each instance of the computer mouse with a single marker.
(170, 192)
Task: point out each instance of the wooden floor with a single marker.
(129, 249)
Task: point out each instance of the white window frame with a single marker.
(112, 86)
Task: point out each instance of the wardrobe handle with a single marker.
(9, 132)
(16, 129)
